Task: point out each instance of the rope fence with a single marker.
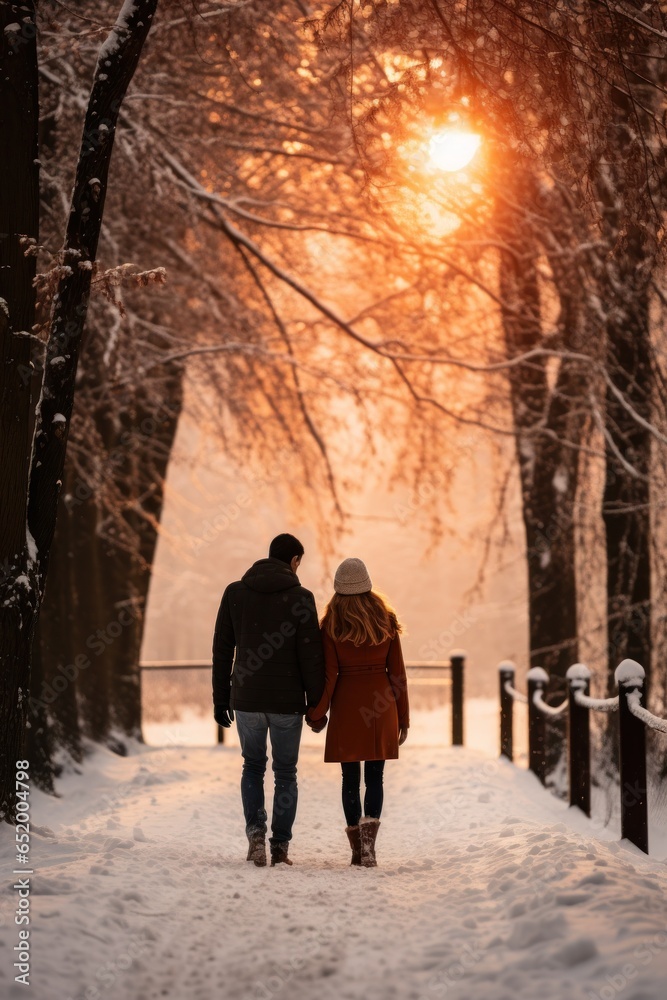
(648, 718)
(553, 710)
(516, 695)
(597, 704)
(633, 719)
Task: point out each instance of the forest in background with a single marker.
(269, 225)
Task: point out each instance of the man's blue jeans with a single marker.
(285, 733)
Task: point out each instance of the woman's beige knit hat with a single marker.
(352, 578)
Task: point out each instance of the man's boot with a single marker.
(354, 837)
(257, 848)
(368, 829)
(279, 854)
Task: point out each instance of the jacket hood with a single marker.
(269, 576)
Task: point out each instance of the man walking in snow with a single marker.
(268, 668)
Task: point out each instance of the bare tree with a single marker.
(31, 506)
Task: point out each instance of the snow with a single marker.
(578, 672)
(629, 671)
(31, 545)
(537, 674)
(560, 480)
(112, 42)
(488, 887)
(648, 718)
(527, 449)
(598, 704)
(59, 418)
(551, 710)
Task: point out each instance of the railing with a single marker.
(455, 667)
(633, 718)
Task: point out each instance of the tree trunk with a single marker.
(97, 593)
(548, 420)
(25, 548)
(627, 488)
(150, 461)
(19, 216)
(630, 188)
(117, 62)
(54, 717)
(548, 474)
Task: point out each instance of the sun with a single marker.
(453, 149)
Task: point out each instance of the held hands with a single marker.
(223, 716)
(318, 725)
(402, 735)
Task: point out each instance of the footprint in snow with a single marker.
(133, 896)
(115, 843)
(576, 952)
(572, 898)
(50, 887)
(595, 878)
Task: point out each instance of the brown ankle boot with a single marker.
(279, 854)
(257, 849)
(368, 830)
(354, 837)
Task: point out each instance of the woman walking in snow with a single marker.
(366, 691)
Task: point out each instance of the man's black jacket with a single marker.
(271, 622)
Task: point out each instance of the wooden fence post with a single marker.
(537, 681)
(632, 747)
(457, 661)
(578, 678)
(506, 673)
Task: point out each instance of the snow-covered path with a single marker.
(488, 889)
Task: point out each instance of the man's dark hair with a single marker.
(285, 547)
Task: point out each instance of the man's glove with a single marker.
(318, 725)
(223, 716)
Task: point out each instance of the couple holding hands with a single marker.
(274, 663)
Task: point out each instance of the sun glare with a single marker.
(453, 150)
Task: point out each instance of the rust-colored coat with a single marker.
(366, 693)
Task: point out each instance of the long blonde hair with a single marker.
(361, 618)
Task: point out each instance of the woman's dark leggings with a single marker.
(373, 770)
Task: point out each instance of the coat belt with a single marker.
(367, 668)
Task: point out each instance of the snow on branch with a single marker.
(378, 347)
(120, 31)
(243, 348)
(637, 417)
(600, 424)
